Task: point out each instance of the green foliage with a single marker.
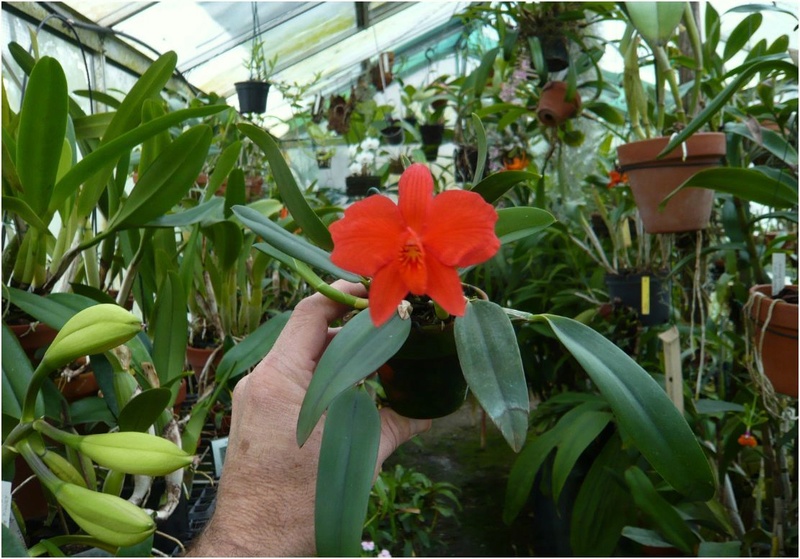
(404, 509)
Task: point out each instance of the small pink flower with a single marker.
(384, 553)
(368, 545)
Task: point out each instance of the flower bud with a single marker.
(133, 453)
(62, 468)
(93, 330)
(108, 518)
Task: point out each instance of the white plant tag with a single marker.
(6, 502)
(778, 272)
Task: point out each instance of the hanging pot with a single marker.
(652, 179)
(381, 73)
(393, 134)
(432, 136)
(774, 330)
(339, 115)
(358, 186)
(648, 294)
(554, 108)
(555, 52)
(424, 379)
(252, 96)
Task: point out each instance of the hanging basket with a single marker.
(381, 73)
(554, 108)
(773, 323)
(432, 136)
(358, 186)
(555, 52)
(652, 179)
(252, 96)
(393, 134)
(649, 295)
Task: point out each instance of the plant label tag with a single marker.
(6, 502)
(778, 272)
(645, 295)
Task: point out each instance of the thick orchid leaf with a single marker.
(228, 239)
(520, 222)
(655, 21)
(235, 191)
(99, 97)
(290, 193)
(770, 140)
(42, 127)
(92, 126)
(480, 138)
(720, 549)
(109, 152)
(20, 207)
(144, 409)
(660, 511)
(748, 184)
(17, 373)
(43, 309)
(603, 507)
(492, 366)
(169, 327)
(13, 546)
(152, 147)
(649, 538)
(641, 407)
(356, 352)
(743, 76)
(225, 162)
(20, 55)
(493, 187)
(292, 245)
(573, 443)
(347, 459)
(741, 35)
(166, 180)
(205, 213)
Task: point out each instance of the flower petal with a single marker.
(386, 291)
(368, 236)
(415, 195)
(412, 263)
(444, 287)
(460, 231)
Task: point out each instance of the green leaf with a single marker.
(235, 194)
(649, 538)
(13, 546)
(520, 222)
(290, 193)
(293, 245)
(741, 35)
(480, 138)
(17, 373)
(20, 55)
(606, 112)
(43, 309)
(641, 407)
(771, 141)
(603, 506)
(225, 162)
(745, 73)
(153, 146)
(574, 442)
(91, 410)
(354, 353)
(748, 184)
(91, 126)
(166, 180)
(494, 186)
(99, 97)
(204, 213)
(492, 366)
(720, 549)
(42, 127)
(144, 409)
(228, 240)
(109, 152)
(20, 207)
(169, 329)
(708, 406)
(347, 459)
(660, 512)
(655, 21)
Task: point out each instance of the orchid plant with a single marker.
(410, 254)
(363, 156)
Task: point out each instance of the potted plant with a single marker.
(427, 105)
(484, 337)
(362, 175)
(253, 92)
(653, 171)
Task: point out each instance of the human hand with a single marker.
(265, 503)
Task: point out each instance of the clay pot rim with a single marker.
(784, 315)
(699, 146)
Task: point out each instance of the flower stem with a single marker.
(29, 404)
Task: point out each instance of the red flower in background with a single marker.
(615, 178)
(416, 245)
(746, 439)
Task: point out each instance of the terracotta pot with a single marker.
(554, 108)
(359, 186)
(255, 186)
(651, 300)
(80, 386)
(424, 379)
(775, 337)
(384, 67)
(197, 357)
(180, 398)
(33, 337)
(651, 180)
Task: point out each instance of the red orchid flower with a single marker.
(615, 178)
(746, 439)
(416, 245)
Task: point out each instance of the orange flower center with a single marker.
(412, 255)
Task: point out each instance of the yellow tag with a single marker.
(645, 295)
(626, 233)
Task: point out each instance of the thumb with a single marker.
(395, 430)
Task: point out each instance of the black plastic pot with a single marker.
(432, 136)
(424, 379)
(466, 158)
(359, 186)
(631, 291)
(393, 135)
(555, 52)
(252, 96)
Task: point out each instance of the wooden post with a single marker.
(672, 366)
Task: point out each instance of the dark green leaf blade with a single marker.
(169, 328)
(641, 408)
(347, 459)
(748, 184)
(356, 352)
(496, 185)
(517, 223)
(143, 409)
(492, 366)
